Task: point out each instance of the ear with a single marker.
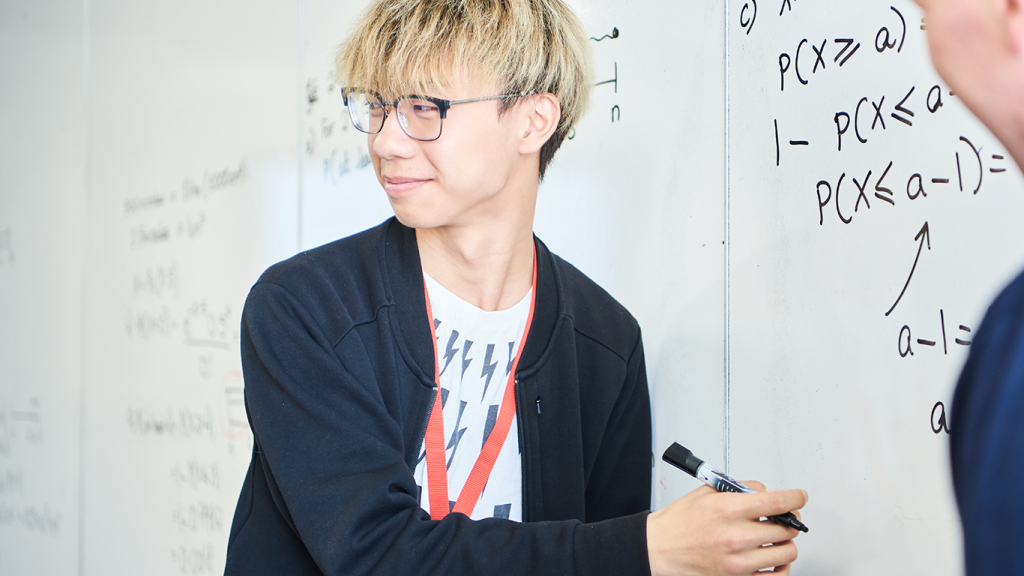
(1013, 12)
(542, 114)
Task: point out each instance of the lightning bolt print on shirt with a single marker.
(472, 393)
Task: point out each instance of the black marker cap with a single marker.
(682, 458)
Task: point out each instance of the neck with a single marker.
(489, 265)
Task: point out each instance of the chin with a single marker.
(412, 218)
(404, 219)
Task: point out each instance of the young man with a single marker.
(401, 423)
(978, 48)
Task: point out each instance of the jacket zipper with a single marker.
(522, 447)
(423, 430)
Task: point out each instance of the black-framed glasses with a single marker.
(420, 117)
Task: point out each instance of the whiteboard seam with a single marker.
(83, 253)
(728, 243)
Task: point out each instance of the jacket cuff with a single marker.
(617, 546)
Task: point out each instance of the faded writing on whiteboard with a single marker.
(156, 280)
(184, 423)
(190, 191)
(193, 560)
(196, 474)
(12, 482)
(31, 518)
(199, 517)
(21, 424)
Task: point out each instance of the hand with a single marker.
(718, 533)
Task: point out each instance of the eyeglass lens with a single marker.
(420, 119)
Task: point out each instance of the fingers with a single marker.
(772, 503)
(704, 490)
(778, 556)
(761, 488)
(763, 558)
(756, 534)
(768, 532)
(755, 485)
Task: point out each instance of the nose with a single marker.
(392, 141)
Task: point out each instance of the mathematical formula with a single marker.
(853, 119)
(178, 214)
(22, 427)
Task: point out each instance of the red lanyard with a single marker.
(437, 471)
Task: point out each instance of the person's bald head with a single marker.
(977, 47)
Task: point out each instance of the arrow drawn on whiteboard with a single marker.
(924, 237)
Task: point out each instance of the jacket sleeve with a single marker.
(619, 485)
(332, 459)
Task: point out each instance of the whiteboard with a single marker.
(41, 226)
(850, 311)
(154, 159)
(192, 192)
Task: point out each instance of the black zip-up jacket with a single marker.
(339, 383)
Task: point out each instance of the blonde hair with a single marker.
(415, 46)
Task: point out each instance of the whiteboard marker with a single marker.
(683, 459)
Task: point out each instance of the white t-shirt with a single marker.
(475, 350)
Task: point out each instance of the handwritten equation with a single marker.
(173, 306)
(859, 117)
(21, 428)
(199, 522)
(32, 518)
(195, 559)
(200, 324)
(331, 141)
(196, 474)
(186, 423)
(178, 214)
(157, 280)
(966, 173)
(21, 425)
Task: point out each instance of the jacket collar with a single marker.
(403, 278)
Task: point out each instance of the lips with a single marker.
(397, 185)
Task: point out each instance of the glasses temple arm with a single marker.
(500, 97)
